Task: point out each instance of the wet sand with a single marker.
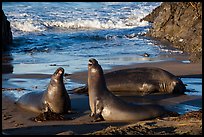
(17, 121)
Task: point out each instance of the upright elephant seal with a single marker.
(54, 99)
(105, 105)
(143, 81)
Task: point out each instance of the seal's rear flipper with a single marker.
(81, 90)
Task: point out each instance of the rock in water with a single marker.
(6, 32)
(179, 23)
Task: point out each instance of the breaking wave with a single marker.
(36, 18)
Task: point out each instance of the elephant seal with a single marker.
(145, 80)
(54, 99)
(142, 81)
(105, 105)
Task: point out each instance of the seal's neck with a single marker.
(56, 84)
(96, 82)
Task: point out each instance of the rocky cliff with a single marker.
(181, 24)
(6, 32)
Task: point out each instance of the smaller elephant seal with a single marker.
(54, 99)
(106, 106)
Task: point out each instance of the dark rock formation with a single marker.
(181, 24)
(6, 32)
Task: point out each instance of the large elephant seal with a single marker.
(142, 81)
(145, 80)
(105, 105)
(54, 99)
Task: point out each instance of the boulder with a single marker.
(180, 23)
(6, 32)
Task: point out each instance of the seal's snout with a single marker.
(60, 70)
(92, 61)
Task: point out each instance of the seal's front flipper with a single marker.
(98, 108)
(46, 108)
(98, 117)
(91, 114)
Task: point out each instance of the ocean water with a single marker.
(47, 35)
(68, 34)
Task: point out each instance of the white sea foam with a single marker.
(172, 51)
(123, 16)
(94, 24)
(32, 26)
(27, 26)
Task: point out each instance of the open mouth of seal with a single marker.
(90, 63)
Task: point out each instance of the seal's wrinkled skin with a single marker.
(105, 105)
(145, 80)
(54, 99)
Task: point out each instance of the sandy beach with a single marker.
(17, 121)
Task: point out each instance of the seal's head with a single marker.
(58, 75)
(56, 80)
(173, 85)
(95, 74)
(178, 86)
(93, 65)
(94, 69)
